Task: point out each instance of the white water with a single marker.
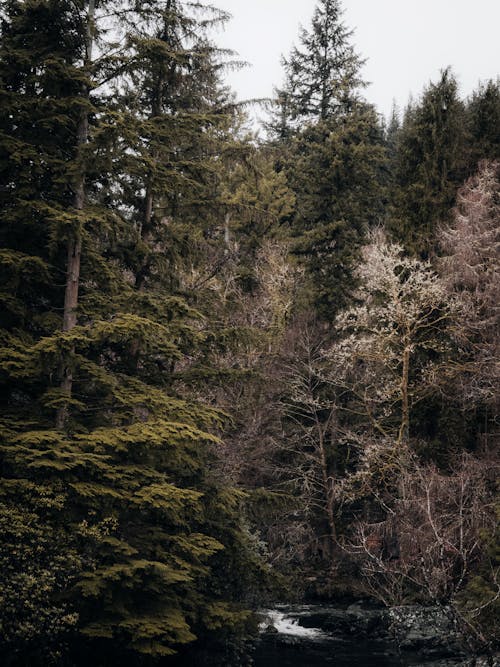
(287, 625)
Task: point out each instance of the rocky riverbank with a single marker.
(361, 635)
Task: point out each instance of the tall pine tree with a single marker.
(430, 164)
(332, 152)
(483, 115)
(99, 452)
(322, 75)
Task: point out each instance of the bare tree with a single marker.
(444, 525)
(356, 395)
(402, 307)
(309, 408)
(423, 531)
(471, 272)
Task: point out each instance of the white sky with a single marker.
(406, 43)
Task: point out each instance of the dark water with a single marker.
(300, 639)
(309, 654)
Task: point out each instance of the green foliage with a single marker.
(258, 202)
(430, 164)
(483, 115)
(38, 561)
(321, 76)
(330, 146)
(116, 511)
(149, 448)
(335, 169)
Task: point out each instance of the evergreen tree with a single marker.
(178, 116)
(331, 145)
(119, 482)
(336, 171)
(258, 202)
(322, 75)
(41, 86)
(430, 164)
(483, 114)
(392, 130)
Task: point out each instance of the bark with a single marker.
(327, 487)
(156, 111)
(227, 233)
(74, 252)
(404, 428)
(146, 234)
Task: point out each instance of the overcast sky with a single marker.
(406, 42)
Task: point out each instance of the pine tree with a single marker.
(335, 170)
(119, 482)
(392, 130)
(74, 242)
(483, 114)
(258, 203)
(178, 116)
(322, 75)
(430, 164)
(332, 152)
(40, 86)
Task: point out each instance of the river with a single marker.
(310, 636)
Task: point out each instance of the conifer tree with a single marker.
(332, 151)
(337, 178)
(74, 242)
(122, 486)
(430, 164)
(175, 106)
(323, 74)
(483, 114)
(41, 120)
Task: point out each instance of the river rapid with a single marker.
(356, 636)
(291, 644)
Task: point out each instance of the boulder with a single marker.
(428, 631)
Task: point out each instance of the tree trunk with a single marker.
(146, 233)
(227, 234)
(404, 429)
(156, 111)
(330, 516)
(75, 245)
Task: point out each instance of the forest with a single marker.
(236, 367)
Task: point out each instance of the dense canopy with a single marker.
(235, 370)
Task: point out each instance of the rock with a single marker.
(426, 630)
(479, 661)
(426, 636)
(270, 630)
